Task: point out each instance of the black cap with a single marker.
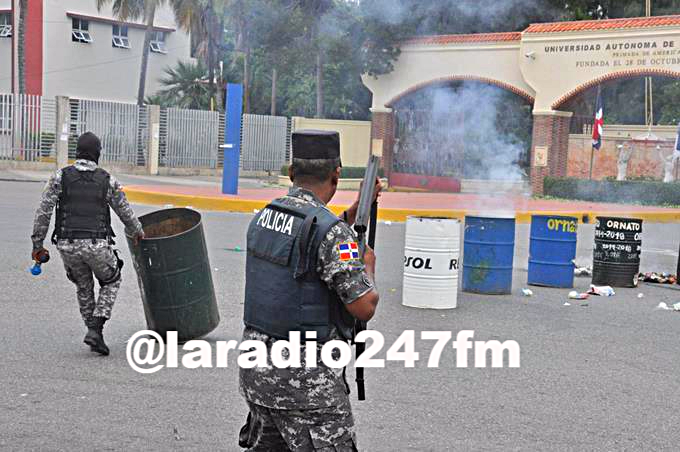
(316, 144)
(89, 147)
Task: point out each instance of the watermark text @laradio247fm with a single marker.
(146, 349)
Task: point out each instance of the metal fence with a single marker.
(120, 126)
(189, 138)
(27, 125)
(265, 142)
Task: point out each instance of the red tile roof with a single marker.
(451, 39)
(608, 24)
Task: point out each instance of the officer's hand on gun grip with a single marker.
(369, 261)
(376, 191)
(138, 237)
(378, 188)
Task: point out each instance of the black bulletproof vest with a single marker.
(284, 291)
(82, 209)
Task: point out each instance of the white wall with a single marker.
(422, 63)
(5, 56)
(99, 70)
(355, 137)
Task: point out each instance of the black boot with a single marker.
(95, 338)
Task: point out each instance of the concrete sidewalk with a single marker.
(396, 206)
(204, 192)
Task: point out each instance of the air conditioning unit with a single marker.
(158, 47)
(121, 42)
(5, 31)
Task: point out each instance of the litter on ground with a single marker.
(658, 278)
(577, 296)
(582, 271)
(603, 291)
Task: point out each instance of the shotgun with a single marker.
(366, 221)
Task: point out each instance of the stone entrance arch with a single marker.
(461, 78)
(634, 73)
(548, 63)
(389, 118)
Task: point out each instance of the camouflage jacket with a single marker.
(322, 386)
(115, 197)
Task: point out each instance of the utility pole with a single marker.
(649, 91)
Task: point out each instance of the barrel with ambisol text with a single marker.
(616, 256)
(431, 253)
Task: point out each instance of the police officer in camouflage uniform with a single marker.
(82, 194)
(304, 273)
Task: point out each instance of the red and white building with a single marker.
(72, 49)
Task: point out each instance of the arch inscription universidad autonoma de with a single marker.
(548, 64)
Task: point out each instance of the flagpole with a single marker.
(595, 124)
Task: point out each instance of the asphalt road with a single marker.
(597, 377)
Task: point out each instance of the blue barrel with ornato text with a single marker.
(489, 246)
(616, 256)
(552, 250)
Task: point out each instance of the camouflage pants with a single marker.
(84, 261)
(322, 430)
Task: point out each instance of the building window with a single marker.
(157, 43)
(5, 26)
(80, 31)
(120, 37)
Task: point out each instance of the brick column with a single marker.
(382, 128)
(551, 137)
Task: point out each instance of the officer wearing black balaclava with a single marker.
(82, 194)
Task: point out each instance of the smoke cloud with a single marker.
(459, 133)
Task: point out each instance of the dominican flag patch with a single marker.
(348, 251)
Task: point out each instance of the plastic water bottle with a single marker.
(36, 270)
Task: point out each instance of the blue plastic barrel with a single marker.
(552, 249)
(489, 246)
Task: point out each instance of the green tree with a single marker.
(204, 20)
(186, 86)
(137, 9)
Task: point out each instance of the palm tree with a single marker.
(21, 54)
(137, 9)
(203, 19)
(186, 86)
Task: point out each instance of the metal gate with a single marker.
(27, 124)
(189, 138)
(120, 127)
(265, 141)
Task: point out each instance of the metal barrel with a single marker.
(488, 250)
(616, 256)
(552, 250)
(431, 255)
(677, 271)
(174, 274)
